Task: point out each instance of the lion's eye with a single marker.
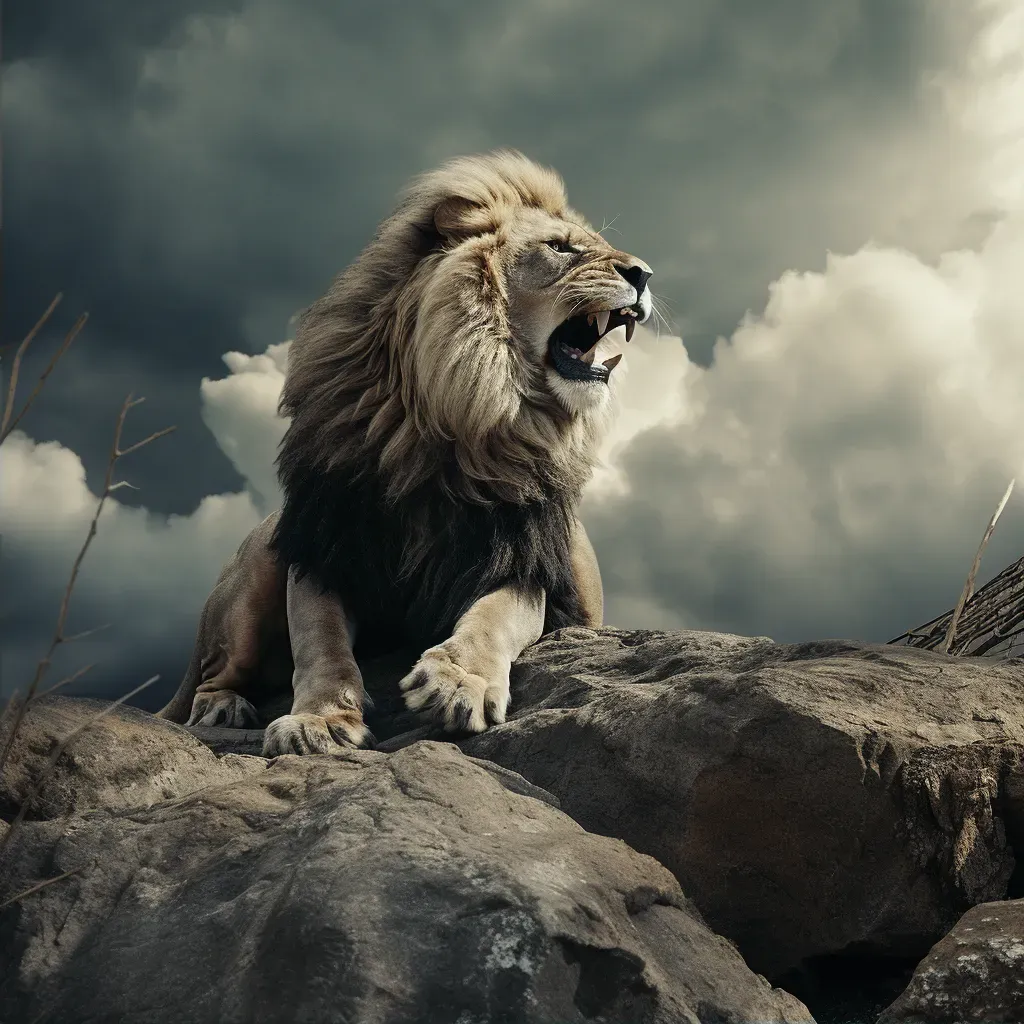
(560, 245)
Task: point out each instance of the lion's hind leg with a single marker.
(226, 709)
(239, 623)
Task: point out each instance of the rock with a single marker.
(126, 759)
(976, 973)
(812, 799)
(229, 741)
(416, 886)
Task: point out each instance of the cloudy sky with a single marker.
(829, 191)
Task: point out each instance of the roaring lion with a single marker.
(447, 396)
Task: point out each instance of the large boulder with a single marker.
(976, 973)
(812, 799)
(421, 885)
(124, 759)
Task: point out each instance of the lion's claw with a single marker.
(223, 709)
(316, 734)
(458, 700)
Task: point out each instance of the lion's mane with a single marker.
(424, 464)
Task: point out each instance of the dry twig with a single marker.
(19, 896)
(59, 637)
(968, 592)
(10, 420)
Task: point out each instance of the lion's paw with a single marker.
(316, 734)
(224, 709)
(458, 700)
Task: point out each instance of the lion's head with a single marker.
(481, 328)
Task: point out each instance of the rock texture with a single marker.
(812, 799)
(421, 885)
(976, 973)
(126, 759)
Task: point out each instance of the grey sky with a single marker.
(194, 180)
(192, 174)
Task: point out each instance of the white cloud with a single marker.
(241, 412)
(842, 452)
(831, 472)
(145, 575)
(653, 380)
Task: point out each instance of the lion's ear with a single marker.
(459, 218)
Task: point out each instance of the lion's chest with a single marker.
(406, 571)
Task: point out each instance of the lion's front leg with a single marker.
(463, 683)
(328, 694)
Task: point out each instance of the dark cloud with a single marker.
(193, 174)
(100, 44)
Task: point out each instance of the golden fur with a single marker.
(406, 350)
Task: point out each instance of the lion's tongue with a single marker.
(580, 356)
(588, 358)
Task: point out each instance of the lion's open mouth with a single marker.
(573, 343)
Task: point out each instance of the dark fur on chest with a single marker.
(337, 527)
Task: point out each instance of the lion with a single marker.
(446, 397)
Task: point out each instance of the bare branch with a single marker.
(10, 420)
(968, 592)
(67, 680)
(146, 440)
(59, 636)
(86, 632)
(12, 384)
(18, 897)
(19, 714)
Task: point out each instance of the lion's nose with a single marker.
(637, 274)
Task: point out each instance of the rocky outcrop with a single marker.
(421, 885)
(812, 799)
(976, 973)
(819, 803)
(124, 760)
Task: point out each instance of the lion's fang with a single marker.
(630, 327)
(602, 322)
